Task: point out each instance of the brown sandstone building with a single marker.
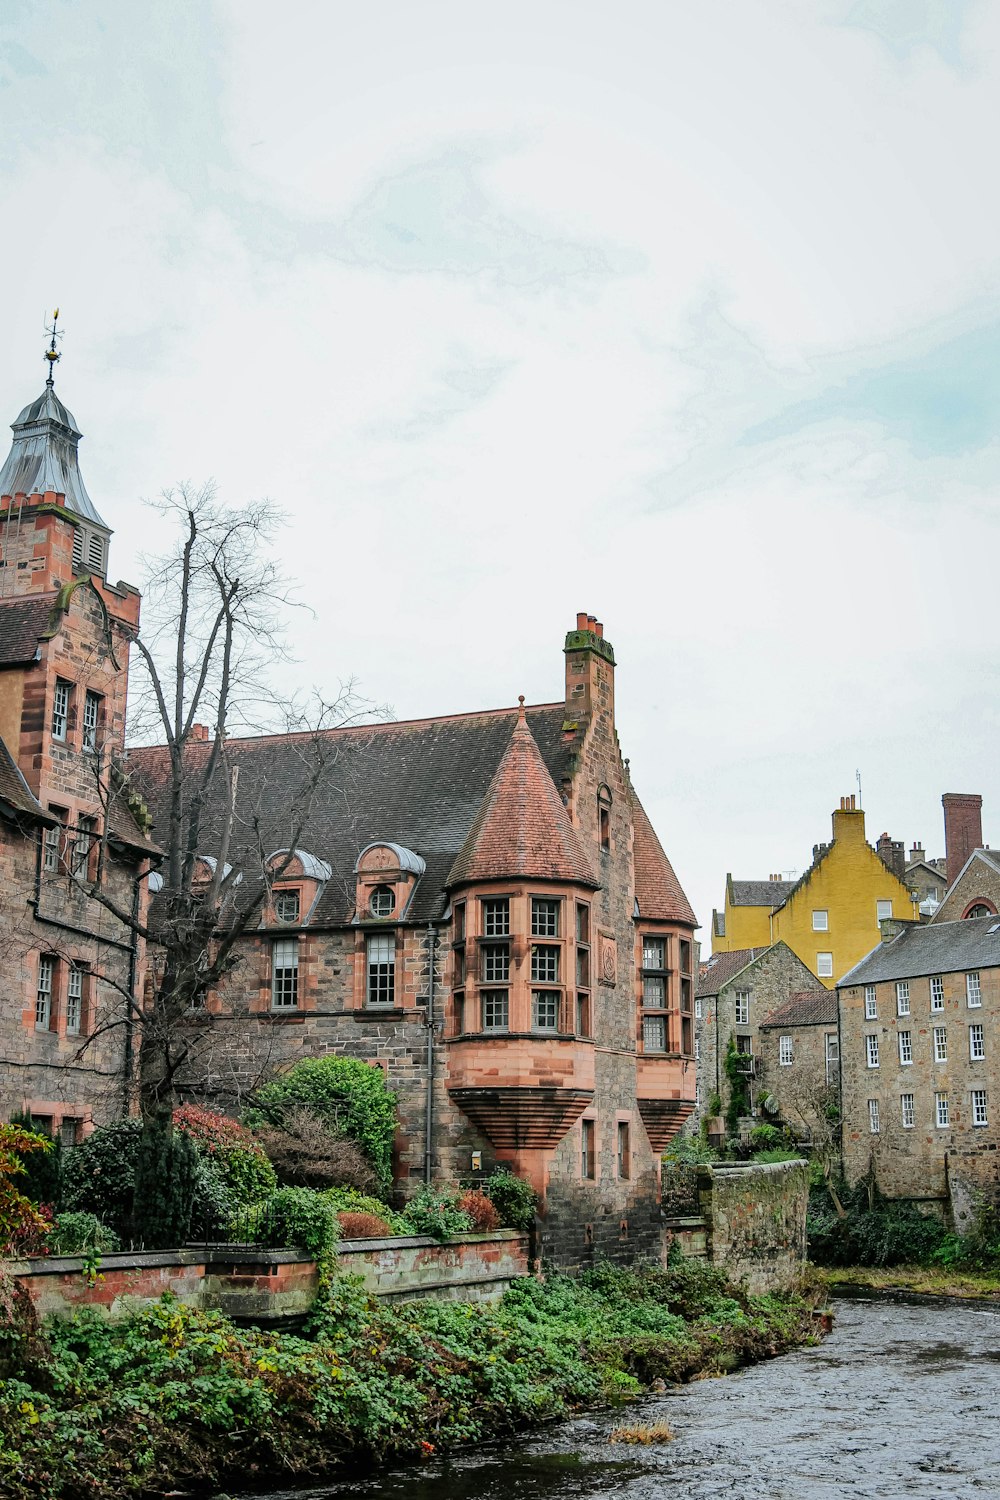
(480, 905)
(68, 966)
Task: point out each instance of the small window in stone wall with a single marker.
(583, 1015)
(624, 1150)
(871, 1003)
(544, 917)
(495, 1010)
(545, 963)
(286, 906)
(545, 1010)
(381, 988)
(285, 974)
(495, 963)
(382, 902)
(743, 1007)
(785, 1051)
(654, 1033)
(937, 993)
(907, 1113)
(873, 1120)
(588, 1152)
(496, 917)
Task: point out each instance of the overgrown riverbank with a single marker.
(925, 1281)
(171, 1399)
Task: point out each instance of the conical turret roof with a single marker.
(44, 456)
(522, 827)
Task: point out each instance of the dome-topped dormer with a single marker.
(387, 875)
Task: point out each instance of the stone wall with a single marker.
(752, 1224)
(253, 1285)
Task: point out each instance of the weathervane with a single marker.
(52, 354)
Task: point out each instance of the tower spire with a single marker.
(52, 355)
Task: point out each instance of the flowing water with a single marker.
(900, 1400)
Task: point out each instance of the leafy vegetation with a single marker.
(171, 1398)
(301, 1218)
(871, 1230)
(75, 1234)
(480, 1210)
(514, 1199)
(22, 1226)
(42, 1178)
(738, 1105)
(238, 1160)
(350, 1096)
(436, 1214)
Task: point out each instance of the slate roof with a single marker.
(805, 1008)
(938, 948)
(657, 889)
(522, 826)
(769, 893)
(420, 784)
(23, 622)
(717, 971)
(14, 791)
(44, 456)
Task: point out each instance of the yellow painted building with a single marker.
(830, 916)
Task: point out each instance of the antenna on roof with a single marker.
(52, 354)
(857, 777)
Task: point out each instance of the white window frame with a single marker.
(979, 1108)
(74, 999)
(786, 1052)
(871, 1003)
(882, 915)
(977, 1042)
(871, 1049)
(43, 992)
(907, 1111)
(824, 965)
(873, 1117)
(941, 1115)
(905, 1041)
(831, 1049)
(742, 998)
(697, 1050)
(91, 719)
(51, 851)
(902, 997)
(60, 709)
(937, 994)
(697, 1007)
(940, 1044)
(973, 990)
(821, 919)
(380, 970)
(285, 974)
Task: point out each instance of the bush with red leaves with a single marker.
(355, 1226)
(480, 1210)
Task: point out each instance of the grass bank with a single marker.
(172, 1399)
(940, 1281)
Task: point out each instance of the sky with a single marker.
(684, 315)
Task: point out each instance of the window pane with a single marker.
(905, 1047)
(937, 994)
(381, 968)
(496, 917)
(977, 1043)
(495, 1010)
(654, 991)
(545, 963)
(286, 906)
(654, 1033)
(496, 963)
(873, 1116)
(285, 974)
(583, 924)
(940, 1044)
(824, 965)
(871, 1003)
(903, 998)
(871, 1044)
(654, 953)
(545, 1010)
(544, 917)
(979, 1111)
(907, 1112)
(785, 1050)
(973, 994)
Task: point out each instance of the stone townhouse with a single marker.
(482, 909)
(735, 994)
(919, 1049)
(69, 969)
(830, 916)
(799, 1063)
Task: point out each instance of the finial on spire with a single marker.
(52, 354)
(520, 709)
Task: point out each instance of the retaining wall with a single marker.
(752, 1223)
(272, 1287)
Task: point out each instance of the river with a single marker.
(901, 1400)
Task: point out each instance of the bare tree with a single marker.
(206, 655)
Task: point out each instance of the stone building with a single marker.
(735, 994)
(483, 909)
(919, 1021)
(69, 967)
(799, 1064)
(830, 916)
(973, 869)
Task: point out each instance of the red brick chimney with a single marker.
(590, 671)
(963, 829)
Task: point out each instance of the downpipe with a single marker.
(429, 1105)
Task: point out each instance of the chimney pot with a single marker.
(581, 621)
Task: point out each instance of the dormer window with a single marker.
(286, 906)
(383, 901)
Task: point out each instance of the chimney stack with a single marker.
(590, 671)
(892, 853)
(963, 829)
(917, 854)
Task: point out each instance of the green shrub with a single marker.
(300, 1218)
(436, 1214)
(167, 1176)
(349, 1200)
(231, 1151)
(739, 1087)
(350, 1096)
(76, 1232)
(514, 1199)
(99, 1176)
(767, 1138)
(874, 1231)
(42, 1177)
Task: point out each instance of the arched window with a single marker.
(980, 909)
